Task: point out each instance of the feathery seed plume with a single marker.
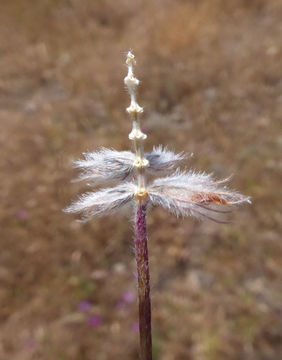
(183, 193)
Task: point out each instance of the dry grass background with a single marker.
(211, 76)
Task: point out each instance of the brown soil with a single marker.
(211, 76)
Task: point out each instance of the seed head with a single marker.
(183, 193)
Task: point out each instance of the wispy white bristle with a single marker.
(163, 160)
(106, 165)
(103, 202)
(193, 194)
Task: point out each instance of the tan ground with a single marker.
(211, 76)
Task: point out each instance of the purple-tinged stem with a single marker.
(142, 260)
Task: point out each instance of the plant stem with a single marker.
(141, 250)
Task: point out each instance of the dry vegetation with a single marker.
(212, 85)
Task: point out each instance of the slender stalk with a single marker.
(141, 251)
(141, 195)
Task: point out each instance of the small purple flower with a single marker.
(135, 327)
(21, 214)
(120, 305)
(128, 297)
(30, 344)
(84, 306)
(95, 320)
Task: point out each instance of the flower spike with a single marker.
(183, 193)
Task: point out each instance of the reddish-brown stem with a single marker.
(142, 260)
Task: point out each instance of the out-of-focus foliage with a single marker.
(211, 84)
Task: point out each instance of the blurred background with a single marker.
(211, 75)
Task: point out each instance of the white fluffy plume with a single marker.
(193, 194)
(103, 202)
(183, 193)
(107, 165)
(163, 160)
